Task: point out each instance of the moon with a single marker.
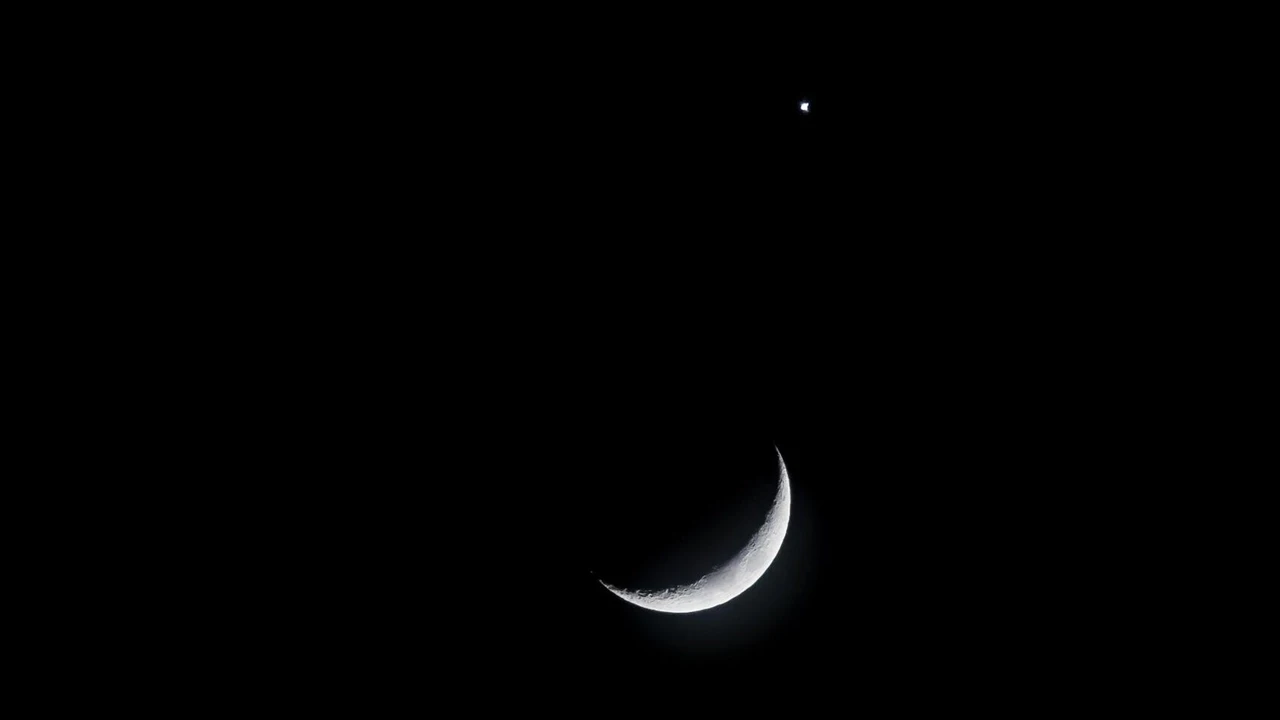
(804, 107)
(730, 580)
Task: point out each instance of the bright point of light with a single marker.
(804, 106)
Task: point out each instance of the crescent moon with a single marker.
(734, 577)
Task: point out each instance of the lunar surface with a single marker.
(734, 577)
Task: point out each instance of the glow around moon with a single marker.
(734, 577)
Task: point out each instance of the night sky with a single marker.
(564, 305)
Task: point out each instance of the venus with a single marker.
(730, 580)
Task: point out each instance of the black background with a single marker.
(536, 318)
